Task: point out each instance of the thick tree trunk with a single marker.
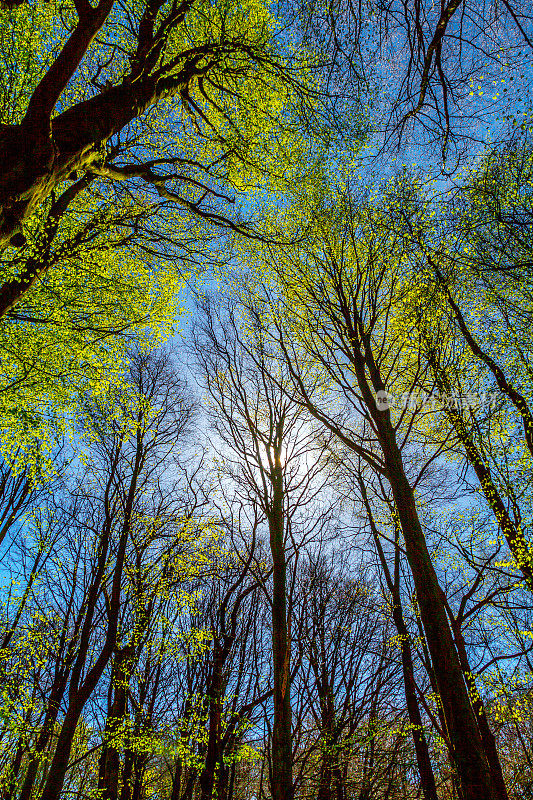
(427, 777)
(469, 756)
(282, 786)
(222, 782)
(37, 155)
(467, 747)
(442, 730)
(10, 789)
(487, 737)
(58, 768)
(325, 791)
(109, 766)
(213, 754)
(126, 778)
(339, 782)
(33, 155)
(43, 738)
(32, 165)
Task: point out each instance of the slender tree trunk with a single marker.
(339, 781)
(365, 791)
(223, 777)
(282, 786)
(328, 763)
(176, 781)
(140, 762)
(427, 778)
(57, 691)
(189, 787)
(467, 747)
(231, 785)
(325, 791)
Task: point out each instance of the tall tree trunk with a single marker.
(59, 765)
(327, 732)
(427, 777)
(126, 777)
(442, 729)
(339, 782)
(189, 786)
(215, 695)
(231, 784)
(469, 755)
(43, 738)
(282, 786)
(9, 790)
(487, 737)
(109, 766)
(365, 791)
(461, 723)
(139, 766)
(325, 789)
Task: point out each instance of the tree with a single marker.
(467, 248)
(20, 488)
(70, 335)
(276, 462)
(224, 631)
(427, 65)
(340, 633)
(427, 777)
(111, 518)
(336, 308)
(200, 58)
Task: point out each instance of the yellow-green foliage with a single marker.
(69, 336)
(239, 132)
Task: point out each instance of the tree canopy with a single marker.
(266, 400)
